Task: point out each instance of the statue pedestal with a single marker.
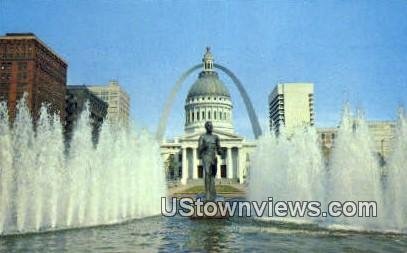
(201, 214)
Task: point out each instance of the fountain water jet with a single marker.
(397, 175)
(6, 161)
(354, 172)
(290, 169)
(43, 188)
(287, 168)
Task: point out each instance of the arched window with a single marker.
(193, 117)
(224, 115)
(197, 115)
(209, 115)
(203, 115)
(220, 115)
(214, 115)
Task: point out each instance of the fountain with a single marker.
(290, 168)
(44, 188)
(354, 172)
(397, 175)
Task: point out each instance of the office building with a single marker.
(117, 99)
(28, 65)
(291, 105)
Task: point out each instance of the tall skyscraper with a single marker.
(28, 65)
(117, 99)
(291, 105)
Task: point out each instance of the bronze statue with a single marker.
(208, 147)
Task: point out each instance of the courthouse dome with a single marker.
(208, 84)
(208, 99)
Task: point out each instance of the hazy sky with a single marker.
(350, 50)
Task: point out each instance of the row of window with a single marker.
(215, 115)
(208, 65)
(208, 98)
(23, 55)
(5, 71)
(323, 136)
(21, 66)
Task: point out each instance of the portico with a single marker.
(233, 168)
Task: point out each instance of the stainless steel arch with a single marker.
(171, 99)
(248, 103)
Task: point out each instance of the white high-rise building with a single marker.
(291, 105)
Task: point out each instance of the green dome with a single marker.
(208, 84)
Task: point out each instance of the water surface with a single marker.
(178, 234)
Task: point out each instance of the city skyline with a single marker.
(355, 53)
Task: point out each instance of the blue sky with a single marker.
(352, 51)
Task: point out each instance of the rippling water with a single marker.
(160, 234)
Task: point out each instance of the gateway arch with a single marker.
(171, 99)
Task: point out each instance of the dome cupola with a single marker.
(208, 60)
(208, 99)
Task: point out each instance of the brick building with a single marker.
(29, 65)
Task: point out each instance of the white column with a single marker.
(229, 163)
(184, 166)
(194, 164)
(241, 163)
(218, 173)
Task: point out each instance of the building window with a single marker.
(5, 76)
(21, 86)
(5, 66)
(214, 115)
(209, 115)
(193, 115)
(197, 115)
(21, 76)
(22, 66)
(224, 115)
(203, 115)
